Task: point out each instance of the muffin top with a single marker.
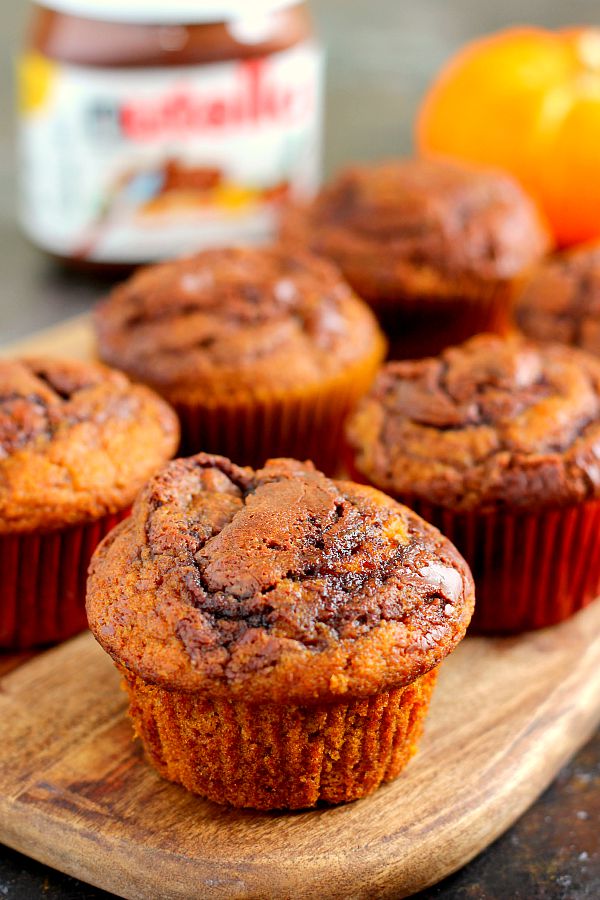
(562, 300)
(77, 441)
(275, 585)
(494, 422)
(235, 319)
(417, 225)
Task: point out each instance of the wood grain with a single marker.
(76, 794)
(72, 338)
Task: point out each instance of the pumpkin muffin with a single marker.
(77, 442)
(437, 248)
(561, 302)
(261, 351)
(497, 442)
(279, 633)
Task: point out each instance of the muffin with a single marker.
(279, 633)
(437, 248)
(77, 442)
(497, 442)
(561, 302)
(261, 351)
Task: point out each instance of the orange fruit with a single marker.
(526, 100)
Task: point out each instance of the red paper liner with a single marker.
(43, 582)
(531, 569)
(424, 326)
(272, 756)
(303, 425)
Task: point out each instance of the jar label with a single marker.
(130, 165)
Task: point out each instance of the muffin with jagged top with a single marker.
(437, 248)
(279, 632)
(261, 351)
(497, 441)
(77, 442)
(561, 302)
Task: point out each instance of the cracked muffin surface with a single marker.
(77, 441)
(418, 227)
(562, 300)
(235, 320)
(275, 585)
(495, 422)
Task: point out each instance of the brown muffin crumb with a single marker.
(417, 228)
(279, 756)
(77, 441)
(496, 422)
(278, 585)
(232, 320)
(561, 303)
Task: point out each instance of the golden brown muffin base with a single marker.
(304, 424)
(272, 756)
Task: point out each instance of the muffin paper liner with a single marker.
(424, 326)
(531, 569)
(43, 582)
(303, 425)
(272, 756)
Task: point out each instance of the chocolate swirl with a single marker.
(492, 422)
(416, 226)
(38, 397)
(562, 300)
(231, 318)
(70, 436)
(278, 582)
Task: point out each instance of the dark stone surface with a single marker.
(382, 53)
(553, 851)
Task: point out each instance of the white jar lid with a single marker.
(167, 12)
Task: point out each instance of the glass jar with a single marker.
(150, 129)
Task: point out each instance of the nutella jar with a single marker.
(150, 129)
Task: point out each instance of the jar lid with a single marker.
(171, 12)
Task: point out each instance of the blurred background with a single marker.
(381, 56)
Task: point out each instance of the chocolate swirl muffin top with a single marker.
(275, 585)
(494, 422)
(562, 300)
(415, 226)
(235, 319)
(77, 441)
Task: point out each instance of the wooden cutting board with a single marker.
(76, 794)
